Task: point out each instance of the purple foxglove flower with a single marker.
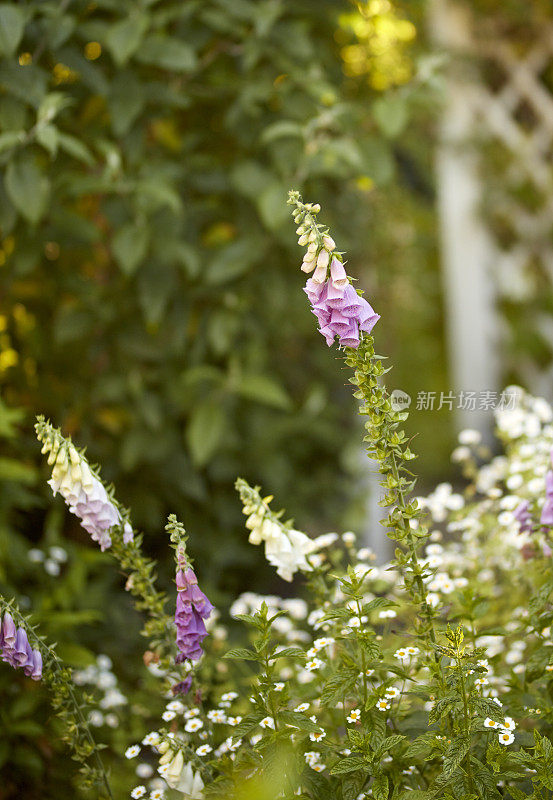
(36, 674)
(21, 645)
(547, 511)
(336, 296)
(523, 516)
(28, 666)
(319, 276)
(340, 311)
(183, 687)
(338, 276)
(192, 608)
(8, 631)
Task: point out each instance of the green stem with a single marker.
(467, 722)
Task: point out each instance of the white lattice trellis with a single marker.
(497, 98)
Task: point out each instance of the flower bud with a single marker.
(319, 276)
(323, 258)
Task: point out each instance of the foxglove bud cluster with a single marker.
(179, 776)
(285, 548)
(340, 310)
(83, 492)
(16, 650)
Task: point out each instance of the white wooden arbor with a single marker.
(510, 108)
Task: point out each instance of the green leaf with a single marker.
(75, 148)
(247, 725)
(346, 765)
(13, 470)
(455, 754)
(288, 652)
(51, 105)
(12, 25)
(232, 261)
(168, 53)
(126, 100)
(124, 37)
(391, 115)
(27, 187)
(75, 654)
(298, 720)
(204, 431)
(47, 136)
(272, 205)
(129, 245)
(380, 787)
(280, 129)
(264, 389)
(242, 654)
(11, 139)
(340, 684)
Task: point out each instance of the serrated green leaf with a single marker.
(242, 653)
(349, 764)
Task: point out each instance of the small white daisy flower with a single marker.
(193, 725)
(301, 707)
(203, 749)
(217, 716)
(176, 706)
(132, 751)
(354, 715)
(490, 723)
(506, 738)
(151, 738)
(167, 716)
(138, 791)
(267, 722)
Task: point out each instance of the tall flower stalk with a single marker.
(109, 523)
(385, 442)
(68, 706)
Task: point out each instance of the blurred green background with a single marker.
(151, 303)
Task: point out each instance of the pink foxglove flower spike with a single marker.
(341, 312)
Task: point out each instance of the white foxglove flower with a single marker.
(83, 492)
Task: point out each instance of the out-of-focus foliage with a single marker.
(148, 302)
(146, 277)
